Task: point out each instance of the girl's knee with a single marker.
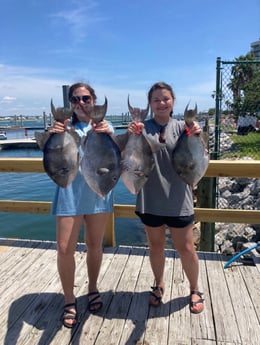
(187, 250)
(64, 250)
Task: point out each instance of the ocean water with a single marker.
(39, 187)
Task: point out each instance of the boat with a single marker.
(3, 135)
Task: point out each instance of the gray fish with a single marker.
(190, 158)
(100, 164)
(60, 150)
(137, 153)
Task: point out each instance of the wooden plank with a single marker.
(202, 325)
(113, 325)
(204, 342)
(24, 293)
(47, 312)
(216, 168)
(48, 325)
(20, 206)
(233, 168)
(251, 278)
(21, 165)
(32, 304)
(210, 215)
(256, 259)
(135, 323)
(17, 270)
(242, 307)
(63, 335)
(8, 249)
(179, 321)
(91, 324)
(158, 318)
(225, 320)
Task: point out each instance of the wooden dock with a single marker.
(31, 299)
(26, 143)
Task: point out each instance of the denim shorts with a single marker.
(173, 222)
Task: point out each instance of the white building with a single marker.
(255, 49)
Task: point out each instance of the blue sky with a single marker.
(120, 47)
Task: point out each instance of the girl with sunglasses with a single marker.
(78, 204)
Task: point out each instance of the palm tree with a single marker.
(242, 75)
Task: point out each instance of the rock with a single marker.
(236, 193)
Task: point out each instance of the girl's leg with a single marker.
(94, 234)
(184, 244)
(67, 232)
(156, 240)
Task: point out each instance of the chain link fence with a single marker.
(234, 133)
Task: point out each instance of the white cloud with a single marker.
(7, 99)
(28, 91)
(78, 19)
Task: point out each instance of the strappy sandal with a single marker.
(69, 314)
(94, 305)
(157, 299)
(193, 305)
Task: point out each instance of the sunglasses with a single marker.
(77, 99)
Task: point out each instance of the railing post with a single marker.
(109, 238)
(205, 198)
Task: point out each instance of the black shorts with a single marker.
(173, 222)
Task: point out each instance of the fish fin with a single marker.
(138, 114)
(61, 114)
(190, 114)
(83, 140)
(75, 136)
(153, 141)
(116, 141)
(41, 138)
(121, 140)
(97, 112)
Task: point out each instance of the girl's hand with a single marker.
(135, 127)
(101, 127)
(193, 129)
(59, 127)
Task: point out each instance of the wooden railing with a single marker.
(217, 168)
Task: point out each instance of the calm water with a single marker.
(39, 187)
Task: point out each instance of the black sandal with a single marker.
(157, 299)
(94, 305)
(70, 315)
(194, 304)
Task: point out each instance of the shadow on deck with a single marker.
(32, 300)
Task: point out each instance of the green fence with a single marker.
(237, 99)
(234, 134)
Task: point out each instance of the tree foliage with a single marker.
(245, 86)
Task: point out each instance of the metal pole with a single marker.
(218, 106)
(207, 188)
(65, 91)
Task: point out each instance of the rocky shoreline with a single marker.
(236, 193)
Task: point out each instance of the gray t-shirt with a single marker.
(164, 193)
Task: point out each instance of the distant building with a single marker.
(255, 49)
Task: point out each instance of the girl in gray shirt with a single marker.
(165, 200)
